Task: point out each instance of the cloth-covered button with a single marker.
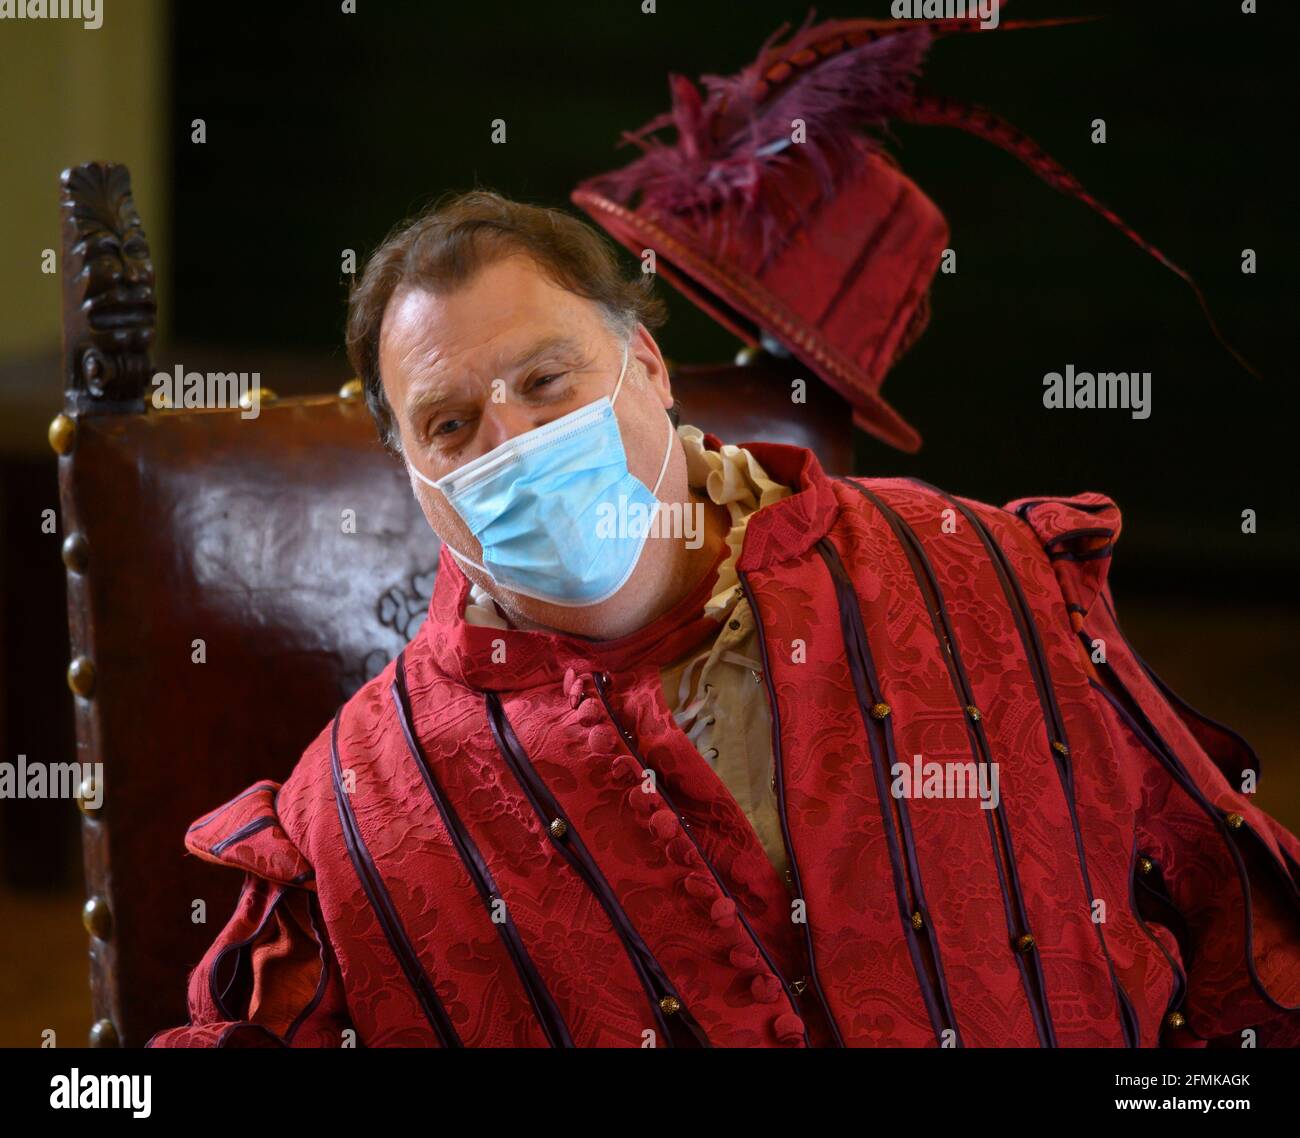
(698, 886)
(603, 740)
(640, 801)
(788, 1029)
(765, 988)
(723, 912)
(664, 824)
(590, 713)
(743, 956)
(625, 769)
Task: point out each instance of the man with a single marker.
(805, 761)
(699, 745)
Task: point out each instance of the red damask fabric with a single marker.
(505, 840)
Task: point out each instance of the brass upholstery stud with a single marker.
(264, 395)
(353, 389)
(62, 433)
(748, 356)
(81, 677)
(104, 1034)
(96, 918)
(86, 791)
(76, 552)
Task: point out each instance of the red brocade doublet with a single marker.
(505, 840)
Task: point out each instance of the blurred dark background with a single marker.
(324, 129)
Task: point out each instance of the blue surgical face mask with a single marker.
(559, 516)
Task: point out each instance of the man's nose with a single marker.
(505, 420)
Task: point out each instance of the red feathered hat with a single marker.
(776, 211)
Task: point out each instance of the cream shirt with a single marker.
(716, 693)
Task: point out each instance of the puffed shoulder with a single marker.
(1078, 534)
(246, 833)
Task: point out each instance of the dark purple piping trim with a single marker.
(1180, 977)
(601, 681)
(261, 786)
(778, 762)
(1023, 509)
(1170, 763)
(319, 930)
(544, 1006)
(1075, 534)
(234, 1027)
(253, 827)
(574, 851)
(924, 574)
(858, 652)
(1096, 555)
(1176, 700)
(1053, 721)
(219, 997)
(385, 912)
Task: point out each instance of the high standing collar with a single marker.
(496, 659)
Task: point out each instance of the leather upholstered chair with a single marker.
(230, 581)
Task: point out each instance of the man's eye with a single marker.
(448, 427)
(542, 381)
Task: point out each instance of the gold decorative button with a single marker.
(1175, 1020)
(1060, 748)
(789, 876)
(670, 1005)
(879, 710)
(353, 389)
(1145, 865)
(973, 712)
(62, 433)
(104, 1034)
(918, 921)
(81, 677)
(1235, 821)
(1025, 942)
(96, 918)
(559, 828)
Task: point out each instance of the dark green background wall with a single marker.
(324, 129)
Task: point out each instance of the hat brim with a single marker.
(742, 305)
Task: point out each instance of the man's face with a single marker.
(503, 354)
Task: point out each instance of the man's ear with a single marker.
(646, 351)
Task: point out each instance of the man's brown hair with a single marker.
(448, 243)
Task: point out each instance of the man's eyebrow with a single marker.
(558, 344)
